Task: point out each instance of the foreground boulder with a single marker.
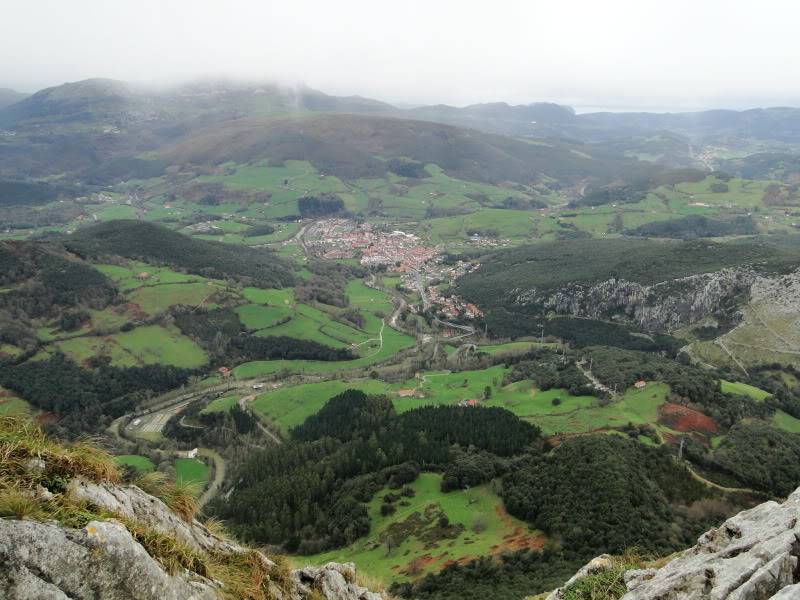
(104, 560)
(754, 555)
(45, 561)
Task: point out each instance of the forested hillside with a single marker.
(153, 243)
(307, 494)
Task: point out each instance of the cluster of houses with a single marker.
(453, 306)
(340, 238)
(418, 393)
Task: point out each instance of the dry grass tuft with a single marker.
(18, 503)
(22, 442)
(181, 497)
(606, 585)
(371, 582)
(168, 551)
(247, 576)
(217, 527)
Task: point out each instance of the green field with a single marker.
(116, 211)
(306, 323)
(367, 298)
(158, 298)
(511, 225)
(512, 347)
(149, 344)
(188, 470)
(786, 421)
(11, 404)
(277, 297)
(258, 316)
(743, 389)
(140, 463)
(138, 274)
(288, 407)
(314, 324)
(220, 404)
(112, 317)
(7, 350)
(580, 415)
(419, 545)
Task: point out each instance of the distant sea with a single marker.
(626, 109)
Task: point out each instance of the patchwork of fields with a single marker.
(555, 411)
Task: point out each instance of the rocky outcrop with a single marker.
(129, 501)
(752, 556)
(103, 560)
(662, 306)
(597, 565)
(43, 561)
(334, 581)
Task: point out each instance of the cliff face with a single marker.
(662, 306)
(752, 556)
(109, 558)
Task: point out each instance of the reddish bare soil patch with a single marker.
(461, 561)
(669, 438)
(420, 564)
(46, 418)
(518, 539)
(685, 419)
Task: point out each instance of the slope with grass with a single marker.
(348, 146)
(416, 540)
(11, 404)
(149, 344)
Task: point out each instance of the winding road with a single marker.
(242, 402)
(219, 475)
(595, 381)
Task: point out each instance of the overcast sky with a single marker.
(666, 54)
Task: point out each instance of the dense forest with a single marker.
(695, 226)
(549, 370)
(760, 456)
(46, 284)
(606, 493)
(507, 323)
(14, 193)
(87, 400)
(221, 429)
(535, 272)
(509, 577)
(308, 494)
(324, 205)
(550, 265)
(592, 494)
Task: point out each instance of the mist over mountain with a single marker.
(468, 349)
